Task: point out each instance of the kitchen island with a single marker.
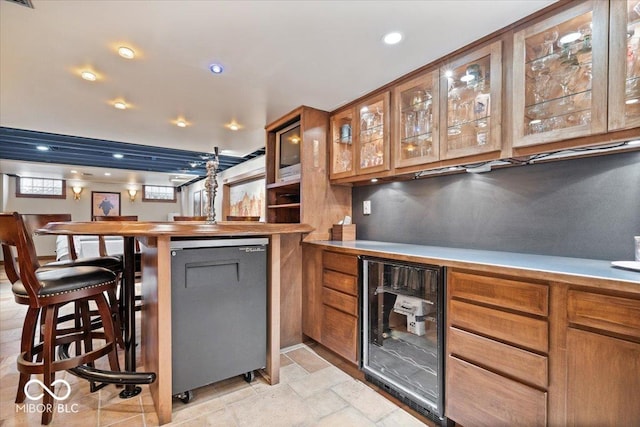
(155, 238)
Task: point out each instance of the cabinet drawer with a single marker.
(340, 282)
(340, 332)
(525, 366)
(502, 292)
(340, 301)
(339, 262)
(509, 327)
(609, 313)
(477, 397)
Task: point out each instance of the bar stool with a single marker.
(46, 292)
(114, 264)
(138, 259)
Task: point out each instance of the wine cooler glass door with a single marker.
(402, 338)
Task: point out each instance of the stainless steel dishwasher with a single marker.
(218, 311)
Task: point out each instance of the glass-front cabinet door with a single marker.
(471, 90)
(624, 65)
(341, 147)
(416, 139)
(372, 148)
(560, 76)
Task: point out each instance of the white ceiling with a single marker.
(277, 55)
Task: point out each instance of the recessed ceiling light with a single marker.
(233, 126)
(73, 171)
(43, 148)
(374, 179)
(392, 38)
(181, 123)
(88, 75)
(126, 52)
(107, 174)
(216, 68)
(118, 156)
(120, 105)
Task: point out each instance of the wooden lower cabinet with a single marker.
(340, 333)
(603, 380)
(478, 397)
(330, 300)
(497, 344)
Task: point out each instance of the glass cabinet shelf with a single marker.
(416, 139)
(471, 90)
(560, 69)
(372, 143)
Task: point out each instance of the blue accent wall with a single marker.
(585, 208)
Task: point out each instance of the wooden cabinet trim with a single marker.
(604, 312)
(477, 397)
(340, 333)
(508, 293)
(340, 282)
(347, 264)
(522, 365)
(340, 301)
(512, 328)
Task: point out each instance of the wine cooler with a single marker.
(403, 332)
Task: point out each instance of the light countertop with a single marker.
(530, 265)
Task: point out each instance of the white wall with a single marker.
(80, 210)
(229, 174)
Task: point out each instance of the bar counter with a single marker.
(155, 239)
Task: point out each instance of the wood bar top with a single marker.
(173, 228)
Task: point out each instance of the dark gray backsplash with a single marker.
(585, 208)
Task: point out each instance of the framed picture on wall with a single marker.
(196, 203)
(247, 198)
(105, 204)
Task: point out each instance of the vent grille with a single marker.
(26, 3)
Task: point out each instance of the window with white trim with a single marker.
(155, 193)
(41, 187)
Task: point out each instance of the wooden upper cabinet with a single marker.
(341, 151)
(416, 114)
(372, 135)
(471, 107)
(560, 76)
(624, 65)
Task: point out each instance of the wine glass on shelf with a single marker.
(549, 39)
(541, 91)
(565, 76)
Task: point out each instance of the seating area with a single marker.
(46, 291)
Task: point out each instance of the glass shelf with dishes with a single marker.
(341, 149)
(624, 84)
(559, 69)
(416, 124)
(471, 88)
(372, 144)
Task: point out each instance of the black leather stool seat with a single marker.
(64, 280)
(111, 263)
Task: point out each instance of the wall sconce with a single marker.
(132, 195)
(76, 192)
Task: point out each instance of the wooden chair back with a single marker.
(14, 233)
(242, 218)
(102, 246)
(35, 221)
(190, 218)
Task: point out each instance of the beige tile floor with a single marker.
(312, 392)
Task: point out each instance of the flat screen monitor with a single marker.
(288, 142)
